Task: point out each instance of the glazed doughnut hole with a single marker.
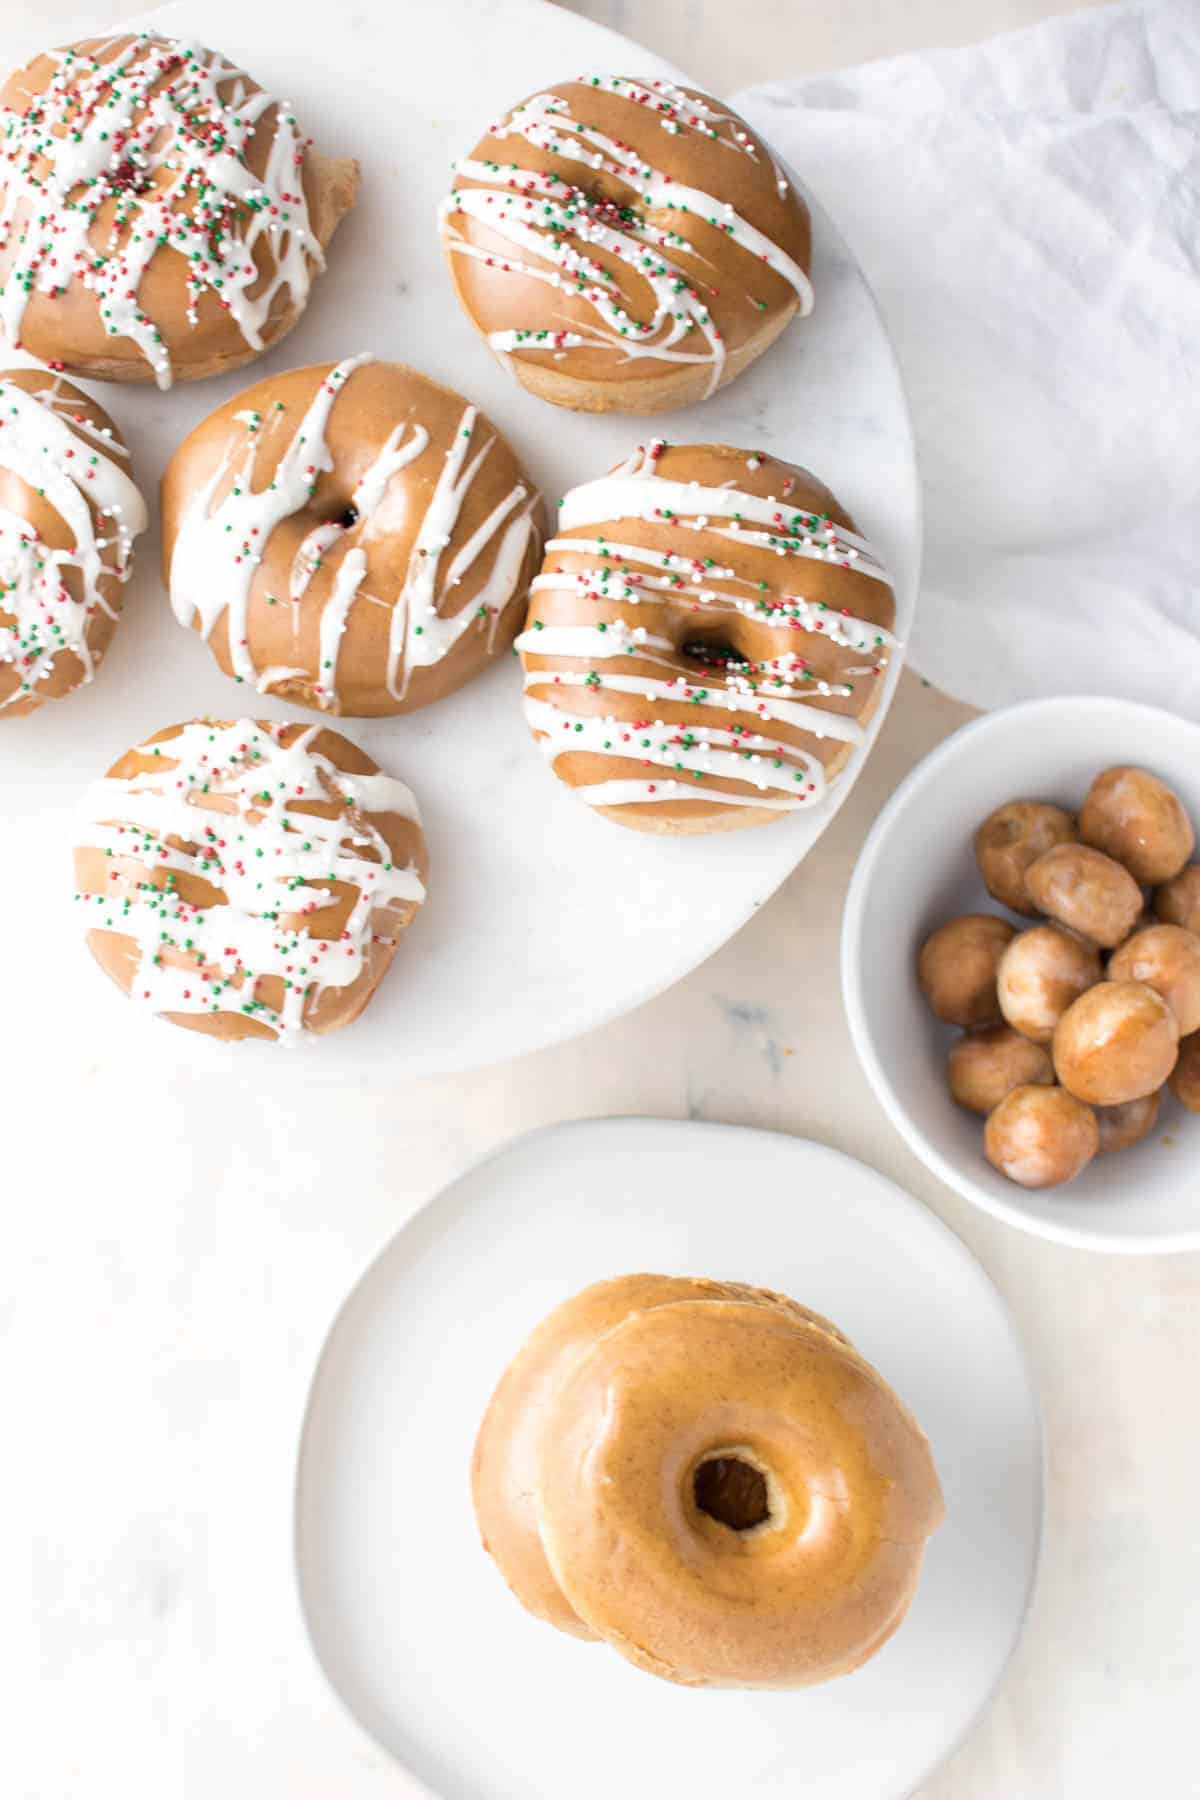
(1166, 958)
(1184, 1080)
(1139, 821)
(1087, 891)
(957, 968)
(1177, 902)
(1118, 1042)
(1012, 838)
(985, 1065)
(1041, 1136)
(1041, 973)
(1121, 1127)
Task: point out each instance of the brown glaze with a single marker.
(1177, 902)
(957, 968)
(1040, 974)
(201, 338)
(1184, 1079)
(1166, 958)
(985, 1065)
(1121, 1127)
(1139, 821)
(1013, 837)
(545, 203)
(1086, 891)
(1118, 1042)
(1041, 1137)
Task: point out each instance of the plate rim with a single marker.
(938, 1230)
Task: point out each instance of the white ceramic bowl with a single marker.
(917, 869)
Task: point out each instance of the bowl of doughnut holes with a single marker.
(1021, 968)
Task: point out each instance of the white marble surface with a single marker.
(149, 1648)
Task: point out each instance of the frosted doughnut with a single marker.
(69, 512)
(625, 245)
(160, 215)
(705, 640)
(247, 879)
(711, 1479)
(351, 537)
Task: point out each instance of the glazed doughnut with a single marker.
(985, 1065)
(1086, 891)
(957, 966)
(69, 512)
(1118, 1042)
(1042, 971)
(709, 1478)
(1139, 821)
(1166, 958)
(625, 246)
(350, 537)
(1177, 902)
(1121, 1127)
(177, 906)
(705, 640)
(1041, 1137)
(1184, 1079)
(1013, 837)
(160, 215)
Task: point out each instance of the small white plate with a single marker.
(415, 1628)
(917, 869)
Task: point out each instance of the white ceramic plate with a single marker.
(409, 1618)
(916, 870)
(543, 919)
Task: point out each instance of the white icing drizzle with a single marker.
(220, 544)
(227, 794)
(149, 129)
(558, 224)
(102, 508)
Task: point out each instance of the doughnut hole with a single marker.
(1121, 1127)
(1139, 821)
(1166, 958)
(1012, 838)
(1087, 891)
(732, 1490)
(985, 1065)
(1177, 902)
(1041, 1137)
(1184, 1080)
(1118, 1042)
(957, 967)
(1041, 973)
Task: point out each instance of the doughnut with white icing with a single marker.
(161, 217)
(69, 512)
(624, 245)
(351, 537)
(249, 879)
(705, 640)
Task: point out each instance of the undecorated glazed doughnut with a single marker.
(69, 512)
(1123, 1126)
(1118, 1042)
(1086, 891)
(1041, 1136)
(1010, 839)
(957, 968)
(705, 641)
(350, 537)
(1042, 971)
(1166, 958)
(1139, 821)
(985, 1065)
(1177, 902)
(247, 879)
(721, 1487)
(160, 216)
(625, 246)
(1184, 1080)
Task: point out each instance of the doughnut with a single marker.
(1140, 822)
(1118, 1042)
(1010, 839)
(1121, 1127)
(1177, 902)
(1166, 958)
(1184, 1079)
(985, 1065)
(709, 1478)
(278, 917)
(625, 246)
(160, 215)
(350, 537)
(1041, 1137)
(704, 641)
(957, 968)
(1040, 974)
(69, 512)
(1086, 891)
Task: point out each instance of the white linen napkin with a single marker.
(1028, 212)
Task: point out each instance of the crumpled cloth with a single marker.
(1028, 213)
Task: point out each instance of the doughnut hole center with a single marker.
(732, 1491)
(347, 518)
(714, 653)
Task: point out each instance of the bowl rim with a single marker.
(960, 742)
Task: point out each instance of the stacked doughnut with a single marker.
(709, 1478)
(1076, 1026)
